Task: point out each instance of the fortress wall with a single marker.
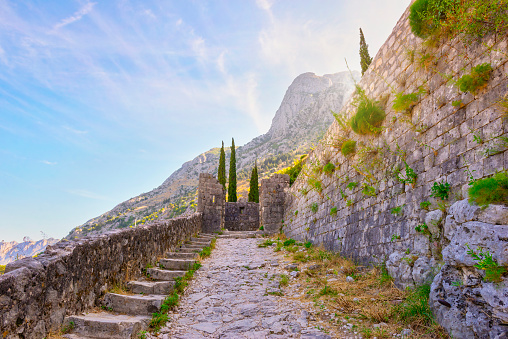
(71, 276)
(438, 141)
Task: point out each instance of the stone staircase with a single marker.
(240, 234)
(128, 313)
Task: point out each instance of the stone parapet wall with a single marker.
(272, 197)
(211, 202)
(71, 276)
(242, 216)
(437, 140)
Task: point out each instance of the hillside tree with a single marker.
(222, 167)
(232, 174)
(254, 185)
(365, 58)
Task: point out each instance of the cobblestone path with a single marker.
(236, 295)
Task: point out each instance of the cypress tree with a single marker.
(232, 174)
(222, 167)
(365, 58)
(254, 185)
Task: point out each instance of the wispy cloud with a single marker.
(87, 8)
(75, 131)
(86, 194)
(50, 163)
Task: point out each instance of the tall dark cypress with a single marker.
(232, 174)
(254, 185)
(222, 167)
(365, 58)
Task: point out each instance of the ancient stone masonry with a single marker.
(367, 205)
(211, 203)
(272, 196)
(363, 209)
(242, 216)
(71, 276)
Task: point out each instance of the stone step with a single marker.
(134, 304)
(181, 255)
(164, 275)
(105, 325)
(200, 240)
(193, 246)
(151, 287)
(177, 264)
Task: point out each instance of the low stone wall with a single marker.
(71, 276)
(272, 197)
(211, 202)
(242, 216)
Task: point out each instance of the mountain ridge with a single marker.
(302, 118)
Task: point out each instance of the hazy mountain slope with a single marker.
(12, 250)
(302, 118)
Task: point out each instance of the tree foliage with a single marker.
(365, 59)
(222, 167)
(254, 185)
(232, 174)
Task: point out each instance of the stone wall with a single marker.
(71, 276)
(241, 216)
(272, 197)
(211, 202)
(436, 139)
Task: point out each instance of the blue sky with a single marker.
(102, 100)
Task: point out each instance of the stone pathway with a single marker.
(236, 295)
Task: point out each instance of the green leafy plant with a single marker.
(406, 102)
(469, 19)
(314, 207)
(348, 148)
(425, 205)
(493, 271)
(368, 190)
(422, 228)
(352, 185)
(415, 308)
(296, 213)
(349, 202)
(396, 210)
(395, 237)
(490, 190)
(475, 80)
(457, 103)
(289, 242)
(329, 168)
(440, 190)
(307, 244)
(342, 194)
(333, 211)
(266, 243)
(409, 176)
(368, 118)
(261, 228)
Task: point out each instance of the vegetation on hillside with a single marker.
(294, 170)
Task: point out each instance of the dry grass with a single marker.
(371, 299)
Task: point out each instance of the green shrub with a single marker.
(425, 18)
(368, 190)
(314, 207)
(405, 102)
(266, 243)
(425, 205)
(368, 118)
(475, 80)
(333, 211)
(316, 184)
(289, 242)
(348, 148)
(294, 170)
(307, 244)
(409, 177)
(158, 320)
(329, 168)
(352, 185)
(490, 190)
(440, 190)
(396, 210)
(493, 272)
